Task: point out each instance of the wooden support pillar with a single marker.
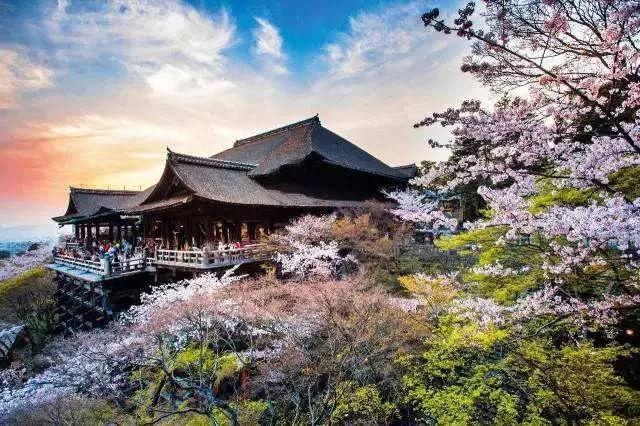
(251, 230)
(134, 230)
(76, 231)
(110, 232)
(163, 233)
(83, 231)
(230, 231)
(118, 233)
(224, 231)
(237, 231)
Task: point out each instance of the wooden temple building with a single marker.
(249, 190)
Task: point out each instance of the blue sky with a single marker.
(91, 92)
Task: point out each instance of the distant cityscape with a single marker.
(11, 248)
(17, 239)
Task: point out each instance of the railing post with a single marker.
(106, 265)
(205, 257)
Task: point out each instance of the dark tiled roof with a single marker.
(212, 162)
(409, 170)
(84, 203)
(88, 201)
(294, 143)
(159, 205)
(217, 182)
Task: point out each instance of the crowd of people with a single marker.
(94, 249)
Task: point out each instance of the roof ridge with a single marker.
(306, 121)
(104, 191)
(204, 161)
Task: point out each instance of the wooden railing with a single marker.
(179, 256)
(199, 259)
(128, 265)
(102, 267)
(87, 265)
(209, 259)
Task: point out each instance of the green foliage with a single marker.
(485, 245)
(361, 405)
(464, 242)
(627, 181)
(474, 393)
(28, 299)
(201, 359)
(468, 375)
(27, 278)
(559, 197)
(419, 259)
(573, 383)
(249, 412)
(160, 389)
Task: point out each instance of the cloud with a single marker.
(18, 74)
(375, 39)
(268, 45)
(167, 43)
(268, 40)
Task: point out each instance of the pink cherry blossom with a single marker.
(16, 265)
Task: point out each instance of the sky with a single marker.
(93, 92)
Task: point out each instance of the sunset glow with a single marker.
(91, 94)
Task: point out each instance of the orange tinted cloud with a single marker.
(37, 165)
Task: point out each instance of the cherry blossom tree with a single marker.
(306, 248)
(203, 345)
(566, 126)
(99, 363)
(16, 265)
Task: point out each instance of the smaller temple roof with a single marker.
(409, 170)
(85, 203)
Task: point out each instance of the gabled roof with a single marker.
(85, 203)
(292, 144)
(228, 182)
